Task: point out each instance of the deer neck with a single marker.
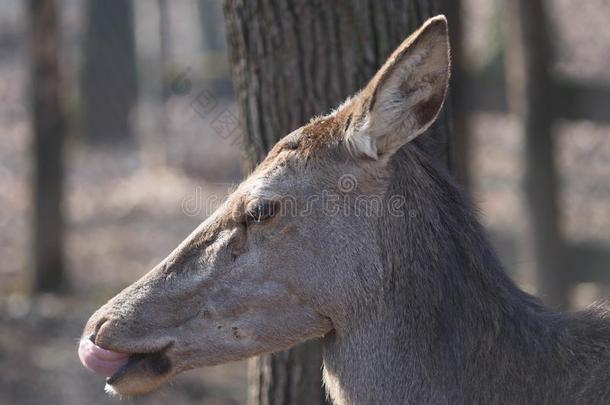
(442, 299)
(367, 364)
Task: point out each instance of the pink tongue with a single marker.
(98, 360)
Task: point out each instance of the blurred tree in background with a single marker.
(48, 128)
(458, 97)
(293, 60)
(213, 47)
(109, 85)
(210, 16)
(532, 94)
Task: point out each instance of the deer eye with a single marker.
(260, 212)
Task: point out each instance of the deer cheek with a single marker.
(237, 244)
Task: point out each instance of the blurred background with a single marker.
(120, 133)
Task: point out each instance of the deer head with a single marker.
(292, 252)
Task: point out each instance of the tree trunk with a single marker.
(48, 129)
(292, 60)
(532, 97)
(165, 56)
(109, 85)
(458, 96)
(211, 26)
(213, 48)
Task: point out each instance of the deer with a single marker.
(409, 299)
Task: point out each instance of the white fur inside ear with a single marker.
(405, 96)
(360, 142)
(409, 84)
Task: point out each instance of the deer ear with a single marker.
(405, 96)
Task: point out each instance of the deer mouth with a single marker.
(155, 363)
(127, 373)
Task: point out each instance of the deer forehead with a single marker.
(283, 170)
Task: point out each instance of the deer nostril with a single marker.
(98, 326)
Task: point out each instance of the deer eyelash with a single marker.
(260, 212)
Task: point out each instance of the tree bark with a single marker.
(458, 96)
(532, 95)
(47, 119)
(292, 60)
(109, 85)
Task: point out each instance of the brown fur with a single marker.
(411, 302)
(237, 288)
